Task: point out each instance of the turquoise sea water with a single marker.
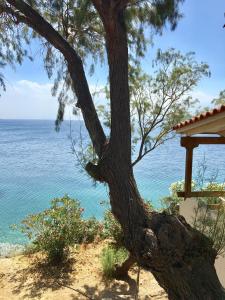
(37, 164)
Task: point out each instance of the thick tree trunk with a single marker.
(122, 270)
(180, 258)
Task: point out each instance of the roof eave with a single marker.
(214, 125)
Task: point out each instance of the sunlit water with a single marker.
(37, 164)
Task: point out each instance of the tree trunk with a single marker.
(122, 270)
(180, 258)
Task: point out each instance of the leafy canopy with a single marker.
(79, 24)
(158, 102)
(220, 100)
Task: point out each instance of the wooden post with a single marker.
(189, 143)
(188, 171)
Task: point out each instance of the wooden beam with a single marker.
(201, 194)
(194, 141)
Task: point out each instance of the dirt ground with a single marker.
(29, 277)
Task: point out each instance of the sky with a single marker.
(28, 94)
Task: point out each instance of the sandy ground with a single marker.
(28, 277)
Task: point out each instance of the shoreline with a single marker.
(10, 250)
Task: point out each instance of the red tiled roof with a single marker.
(200, 117)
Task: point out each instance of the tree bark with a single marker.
(180, 258)
(122, 271)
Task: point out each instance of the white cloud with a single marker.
(32, 100)
(204, 98)
(29, 100)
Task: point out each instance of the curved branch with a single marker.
(27, 15)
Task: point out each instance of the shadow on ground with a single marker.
(40, 276)
(123, 289)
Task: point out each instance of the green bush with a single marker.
(56, 228)
(91, 229)
(209, 222)
(112, 229)
(171, 203)
(213, 186)
(112, 257)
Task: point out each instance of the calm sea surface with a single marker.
(37, 164)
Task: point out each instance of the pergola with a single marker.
(206, 128)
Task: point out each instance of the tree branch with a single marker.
(27, 15)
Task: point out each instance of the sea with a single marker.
(37, 164)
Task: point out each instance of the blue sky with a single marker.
(28, 88)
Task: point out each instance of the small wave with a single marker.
(8, 250)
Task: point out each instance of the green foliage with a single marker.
(201, 183)
(91, 229)
(159, 101)
(112, 229)
(112, 257)
(220, 100)
(211, 222)
(171, 203)
(29, 249)
(13, 43)
(213, 186)
(78, 22)
(2, 83)
(149, 205)
(13, 40)
(209, 215)
(56, 228)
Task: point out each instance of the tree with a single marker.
(180, 258)
(160, 101)
(2, 83)
(220, 100)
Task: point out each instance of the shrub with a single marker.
(112, 257)
(171, 203)
(112, 229)
(213, 186)
(56, 228)
(209, 222)
(91, 229)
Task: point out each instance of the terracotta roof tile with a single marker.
(200, 117)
